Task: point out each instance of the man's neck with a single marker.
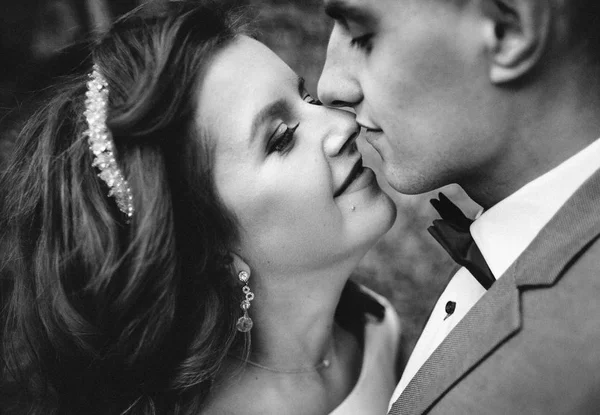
(552, 126)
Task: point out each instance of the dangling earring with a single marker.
(244, 323)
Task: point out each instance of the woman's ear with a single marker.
(516, 36)
(238, 264)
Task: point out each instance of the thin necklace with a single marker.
(323, 364)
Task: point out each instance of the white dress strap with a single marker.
(377, 380)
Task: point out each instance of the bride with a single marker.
(181, 223)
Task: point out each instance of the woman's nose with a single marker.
(342, 134)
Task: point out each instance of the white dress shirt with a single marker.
(501, 233)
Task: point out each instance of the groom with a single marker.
(503, 98)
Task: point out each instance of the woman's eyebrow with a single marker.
(277, 108)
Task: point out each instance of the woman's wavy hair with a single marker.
(101, 315)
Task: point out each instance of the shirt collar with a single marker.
(504, 231)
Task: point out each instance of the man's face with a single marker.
(416, 73)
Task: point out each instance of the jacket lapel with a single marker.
(497, 316)
(491, 321)
(573, 228)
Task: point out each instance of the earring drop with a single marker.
(244, 323)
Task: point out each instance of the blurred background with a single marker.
(407, 265)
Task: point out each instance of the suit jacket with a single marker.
(531, 345)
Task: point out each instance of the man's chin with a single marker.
(408, 183)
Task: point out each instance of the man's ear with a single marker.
(517, 35)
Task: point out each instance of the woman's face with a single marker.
(287, 167)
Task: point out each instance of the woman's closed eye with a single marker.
(283, 139)
(308, 98)
(304, 93)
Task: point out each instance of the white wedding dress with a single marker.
(378, 378)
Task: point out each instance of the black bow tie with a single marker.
(452, 232)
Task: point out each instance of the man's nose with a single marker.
(338, 85)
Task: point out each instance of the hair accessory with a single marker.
(101, 143)
(244, 323)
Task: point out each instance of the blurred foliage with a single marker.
(406, 265)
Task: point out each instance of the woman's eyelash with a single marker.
(282, 142)
(308, 98)
(314, 101)
(362, 42)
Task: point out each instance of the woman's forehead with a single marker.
(242, 79)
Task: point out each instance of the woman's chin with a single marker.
(380, 217)
(373, 233)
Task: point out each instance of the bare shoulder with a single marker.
(238, 391)
(253, 397)
(230, 395)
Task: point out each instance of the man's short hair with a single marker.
(583, 19)
(584, 22)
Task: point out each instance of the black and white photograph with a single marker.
(311, 207)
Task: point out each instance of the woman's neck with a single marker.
(294, 323)
(294, 330)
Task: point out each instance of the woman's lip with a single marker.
(361, 179)
(354, 172)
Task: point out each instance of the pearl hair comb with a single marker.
(101, 143)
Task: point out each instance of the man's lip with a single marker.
(369, 128)
(372, 135)
(350, 178)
